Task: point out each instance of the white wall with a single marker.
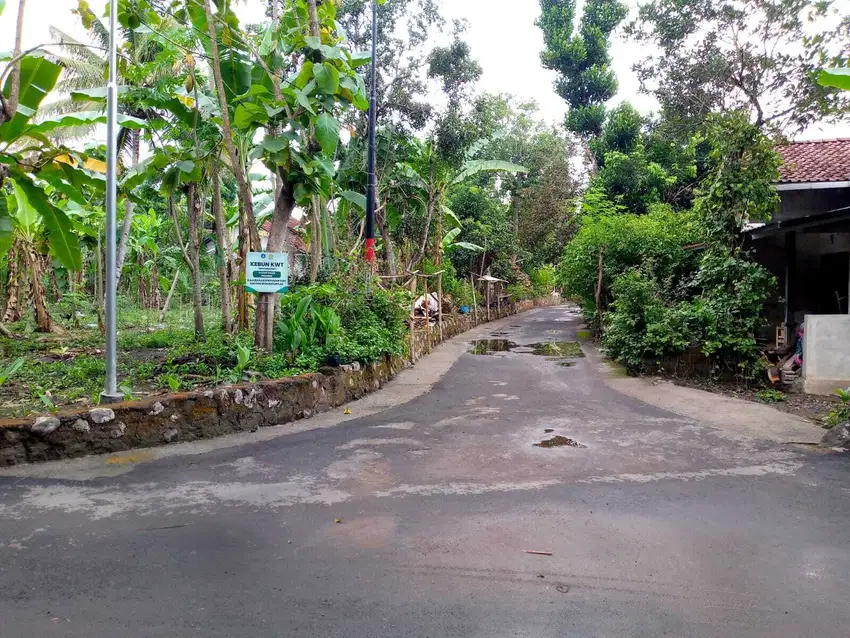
(826, 353)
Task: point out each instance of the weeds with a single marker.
(841, 414)
(769, 395)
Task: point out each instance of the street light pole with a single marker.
(111, 394)
(371, 194)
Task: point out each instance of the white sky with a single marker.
(502, 35)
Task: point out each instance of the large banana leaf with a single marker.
(6, 226)
(64, 244)
(477, 166)
(839, 78)
(38, 77)
(357, 199)
(81, 118)
(96, 94)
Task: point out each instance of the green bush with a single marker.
(655, 242)
(372, 322)
(636, 310)
(721, 317)
(543, 281)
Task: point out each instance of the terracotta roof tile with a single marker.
(816, 161)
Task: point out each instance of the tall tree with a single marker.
(760, 56)
(405, 30)
(580, 58)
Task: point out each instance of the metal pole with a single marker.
(111, 395)
(371, 194)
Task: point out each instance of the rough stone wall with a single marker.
(203, 414)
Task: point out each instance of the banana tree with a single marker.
(432, 178)
(291, 82)
(37, 175)
(26, 259)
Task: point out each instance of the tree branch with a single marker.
(11, 105)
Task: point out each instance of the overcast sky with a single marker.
(502, 35)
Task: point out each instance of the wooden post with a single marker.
(599, 290)
(413, 324)
(790, 281)
(474, 304)
(440, 304)
(488, 301)
(427, 307)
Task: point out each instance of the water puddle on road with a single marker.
(557, 349)
(559, 441)
(561, 352)
(491, 346)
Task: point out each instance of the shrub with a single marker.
(543, 281)
(721, 318)
(653, 241)
(519, 291)
(372, 322)
(635, 309)
(841, 414)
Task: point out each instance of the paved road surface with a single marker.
(414, 522)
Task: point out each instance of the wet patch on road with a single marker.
(554, 349)
(559, 441)
(491, 346)
(562, 349)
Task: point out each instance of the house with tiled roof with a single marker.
(807, 247)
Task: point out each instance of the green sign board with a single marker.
(267, 272)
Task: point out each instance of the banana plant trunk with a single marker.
(43, 320)
(195, 218)
(12, 312)
(315, 240)
(223, 251)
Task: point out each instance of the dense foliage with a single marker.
(716, 307)
(585, 79)
(241, 137)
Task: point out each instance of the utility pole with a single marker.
(111, 394)
(372, 191)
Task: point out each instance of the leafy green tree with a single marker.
(760, 56)
(717, 304)
(405, 30)
(639, 166)
(542, 198)
(585, 78)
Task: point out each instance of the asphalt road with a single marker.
(415, 522)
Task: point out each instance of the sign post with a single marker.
(267, 272)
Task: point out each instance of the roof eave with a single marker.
(808, 186)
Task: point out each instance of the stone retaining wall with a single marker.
(202, 414)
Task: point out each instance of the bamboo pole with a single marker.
(413, 326)
(440, 305)
(474, 303)
(427, 308)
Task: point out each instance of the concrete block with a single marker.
(826, 353)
